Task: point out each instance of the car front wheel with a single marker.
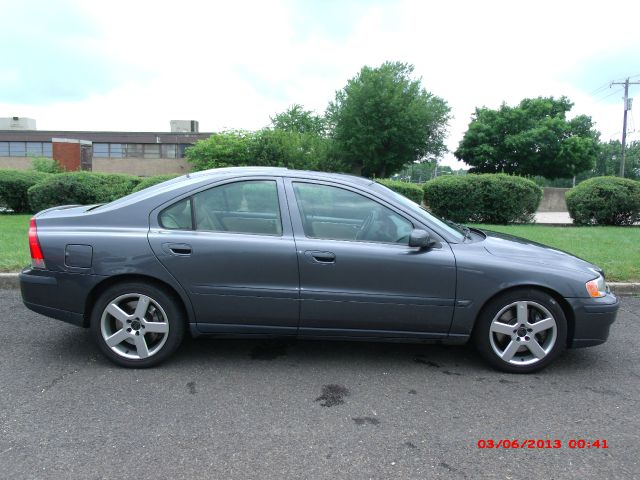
(137, 325)
(521, 331)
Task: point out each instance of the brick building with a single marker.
(138, 153)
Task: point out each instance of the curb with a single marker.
(624, 289)
(11, 281)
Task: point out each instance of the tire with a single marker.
(521, 331)
(137, 325)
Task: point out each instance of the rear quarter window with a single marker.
(177, 216)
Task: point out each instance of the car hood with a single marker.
(523, 250)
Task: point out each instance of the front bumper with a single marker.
(593, 318)
(57, 294)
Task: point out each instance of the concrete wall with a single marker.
(553, 200)
(145, 167)
(15, 163)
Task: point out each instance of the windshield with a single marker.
(455, 230)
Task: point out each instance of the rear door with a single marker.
(231, 247)
(358, 276)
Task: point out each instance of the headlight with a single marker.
(597, 287)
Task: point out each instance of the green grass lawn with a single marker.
(615, 249)
(14, 245)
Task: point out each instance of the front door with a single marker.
(231, 247)
(358, 276)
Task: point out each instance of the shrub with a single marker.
(46, 165)
(408, 189)
(83, 188)
(486, 198)
(605, 201)
(151, 181)
(13, 188)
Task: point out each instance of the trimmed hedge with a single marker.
(410, 190)
(82, 188)
(151, 181)
(605, 201)
(486, 198)
(14, 185)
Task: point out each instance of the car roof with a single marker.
(277, 171)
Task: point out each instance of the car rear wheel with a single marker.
(137, 325)
(521, 331)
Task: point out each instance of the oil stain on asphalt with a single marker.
(364, 420)
(332, 395)
(424, 361)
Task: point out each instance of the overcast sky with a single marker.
(134, 65)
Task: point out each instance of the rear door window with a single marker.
(250, 207)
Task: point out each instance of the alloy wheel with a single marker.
(134, 326)
(523, 333)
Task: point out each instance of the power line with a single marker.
(607, 96)
(600, 89)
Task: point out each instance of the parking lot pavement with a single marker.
(270, 409)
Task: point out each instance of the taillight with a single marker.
(37, 259)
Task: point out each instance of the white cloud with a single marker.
(233, 64)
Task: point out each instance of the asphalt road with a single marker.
(255, 409)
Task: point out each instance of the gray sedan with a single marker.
(275, 252)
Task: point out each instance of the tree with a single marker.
(269, 147)
(298, 139)
(383, 119)
(608, 161)
(533, 138)
(230, 148)
(297, 119)
(292, 149)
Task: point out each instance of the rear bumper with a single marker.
(593, 319)
(57, 294)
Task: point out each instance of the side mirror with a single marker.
(420, 238)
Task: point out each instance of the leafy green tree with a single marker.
(533, 138)
(297, 119)
(45, 165)
(608, 161)
(291, 149)
(383, 119)
(230, 148)
(267, 147)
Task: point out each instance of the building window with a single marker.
(168, 151)
(101, 150)
(25, 149)
(17, 149)
(134, 150)
(152, 150)
(34, 149)
(116, 150)
(181, 148)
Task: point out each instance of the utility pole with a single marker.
(627, 107)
